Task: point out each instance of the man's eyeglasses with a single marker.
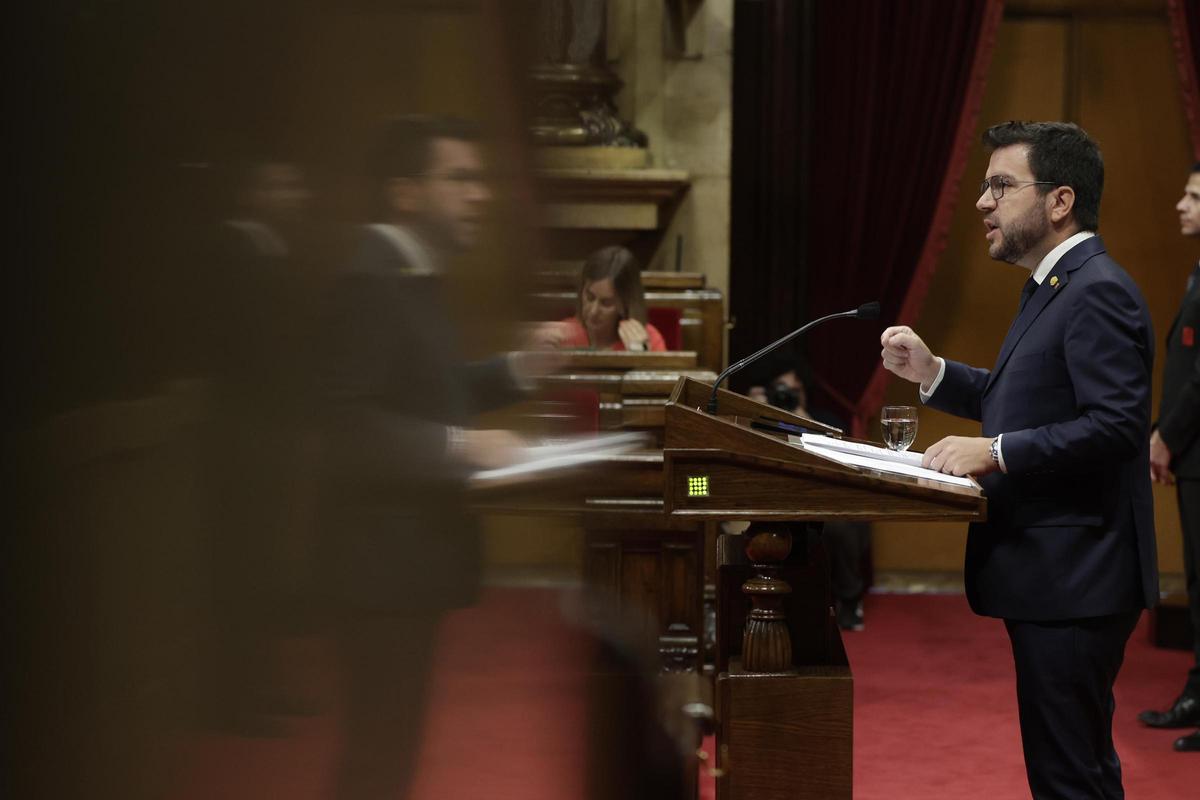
(998, 183)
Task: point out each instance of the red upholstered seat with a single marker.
(667, 322)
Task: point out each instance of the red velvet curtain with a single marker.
(897, 90)
(772, 98)
(1184, 19)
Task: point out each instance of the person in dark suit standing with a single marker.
(400, 546)
(257, 301)
(1067, 555)
(1175, 458)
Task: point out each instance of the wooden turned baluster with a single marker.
(766, 643)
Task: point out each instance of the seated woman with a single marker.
(610, 311)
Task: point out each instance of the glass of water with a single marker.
(899, 426)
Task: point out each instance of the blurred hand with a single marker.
(529, 365)
(961, 455)
(906, 355)
(1160, 460)
(633, 334)
(546, 336)
(490, 449)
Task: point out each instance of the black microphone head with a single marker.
(868, 311)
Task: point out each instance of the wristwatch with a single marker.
(994, 448)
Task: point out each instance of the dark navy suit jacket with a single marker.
(1070, 530)
(1179, 408)
(398, 534)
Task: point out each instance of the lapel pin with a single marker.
(1054, 281)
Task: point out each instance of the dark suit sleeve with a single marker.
(367, 442)
(1179, 428)
(1104, 348)
(491, 384)
(961, 391)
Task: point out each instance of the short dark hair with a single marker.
(621, 267)
(1062, 153)
(404, 149)
(1196, 167)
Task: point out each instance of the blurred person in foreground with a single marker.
(610, 310)
(782, 380)
(1067, 555)
(259, 320)
(401, 546)
(1175, 458)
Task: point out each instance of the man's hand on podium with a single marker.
(961, 455)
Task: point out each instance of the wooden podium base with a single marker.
(785, 735)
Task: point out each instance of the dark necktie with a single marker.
(1027, 292)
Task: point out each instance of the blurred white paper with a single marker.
(564, 453)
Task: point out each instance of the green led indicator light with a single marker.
(697, 486)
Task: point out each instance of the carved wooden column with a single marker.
(766, 643)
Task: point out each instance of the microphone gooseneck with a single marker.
(865, 311)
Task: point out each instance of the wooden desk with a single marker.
(632, 400)
(631, 389)
(564, 276)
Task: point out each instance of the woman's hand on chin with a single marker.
(633, 334)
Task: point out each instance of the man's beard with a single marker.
(1021, 235)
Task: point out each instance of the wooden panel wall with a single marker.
(1112, 71)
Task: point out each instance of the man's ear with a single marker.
(402, 195)
(1060, 203)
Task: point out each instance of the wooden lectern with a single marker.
(784, 686)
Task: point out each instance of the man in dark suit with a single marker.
(1175, 458)
(1067, 555)
(258, 337)
(400, 546)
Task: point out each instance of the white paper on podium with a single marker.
(894, 467)
(912, 458)
(564, 453)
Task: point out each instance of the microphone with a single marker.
(865, 311)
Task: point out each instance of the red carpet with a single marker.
(514, 729)
(936, 716)
(935, 713)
